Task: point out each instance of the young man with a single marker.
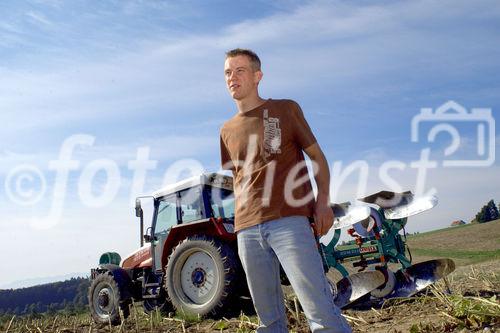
(263, 145)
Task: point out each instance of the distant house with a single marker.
(457, 222)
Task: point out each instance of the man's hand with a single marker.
(323, 218)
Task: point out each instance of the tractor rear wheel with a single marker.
(105, 300)
(201, 276)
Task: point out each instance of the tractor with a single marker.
(188, 257)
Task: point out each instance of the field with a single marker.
(465, 244)
(472, 306)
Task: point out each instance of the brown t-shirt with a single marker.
(263, 147)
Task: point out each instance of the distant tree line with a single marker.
(488, 213)
(69, 296)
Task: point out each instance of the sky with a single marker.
(117, 79)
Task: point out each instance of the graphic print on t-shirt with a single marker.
(272, 134)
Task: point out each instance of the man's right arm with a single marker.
(323, 214)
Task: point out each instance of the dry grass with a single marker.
(473, 305)
(467, 243)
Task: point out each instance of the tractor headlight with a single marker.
(417, 206)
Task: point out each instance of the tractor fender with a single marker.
(208, 227)
(121, 277)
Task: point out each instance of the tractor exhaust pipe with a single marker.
(140, 215)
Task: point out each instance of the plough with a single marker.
(377, 247)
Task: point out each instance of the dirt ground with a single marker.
(471, 306)
(428, 313)
(431, 311)
(422, 313)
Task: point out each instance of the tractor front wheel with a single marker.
(201, 276)
(105, 300)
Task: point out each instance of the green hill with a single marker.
(70, 295)
(465, 244)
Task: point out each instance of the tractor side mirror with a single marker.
(147, 236)
(138, 208)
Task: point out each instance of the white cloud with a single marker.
(162, 148)
(344, 44)
(39, 18)
(57, 4)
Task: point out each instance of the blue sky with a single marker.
(150, 73)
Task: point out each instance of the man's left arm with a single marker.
(323, 214)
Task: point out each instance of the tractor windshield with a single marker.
(167, 215)
(221, 202)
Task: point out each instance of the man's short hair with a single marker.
(254, 59)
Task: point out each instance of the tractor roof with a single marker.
(211, 179)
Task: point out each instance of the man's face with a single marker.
(241, 80)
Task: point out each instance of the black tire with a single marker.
(105, 300)
(201, 276)
(153, 305)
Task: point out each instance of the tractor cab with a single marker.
(198, 201)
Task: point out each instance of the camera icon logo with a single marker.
(448, 118)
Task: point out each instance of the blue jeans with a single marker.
(288, 241)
